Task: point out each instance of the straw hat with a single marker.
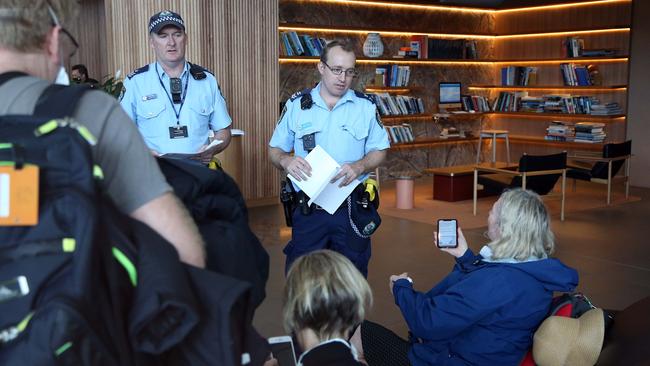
(567, 341)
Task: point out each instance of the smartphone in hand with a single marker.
(447, 233)
(282, 350)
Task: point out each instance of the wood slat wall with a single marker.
(237, 40)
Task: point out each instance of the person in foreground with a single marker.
(486, 310)
(325, 296)
(34, 43)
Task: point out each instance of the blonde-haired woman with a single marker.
(325, 296)
(486, 310)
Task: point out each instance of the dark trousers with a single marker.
(320, 230)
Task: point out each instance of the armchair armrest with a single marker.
(587, 158)
(496, 170)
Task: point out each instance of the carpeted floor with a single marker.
(587, 196)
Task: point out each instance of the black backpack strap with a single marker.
(10, 75)
(58, 101)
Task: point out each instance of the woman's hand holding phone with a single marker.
(460, 249)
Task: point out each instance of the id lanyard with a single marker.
(178, 114)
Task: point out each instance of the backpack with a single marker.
(60, 286)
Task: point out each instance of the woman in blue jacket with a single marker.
(486, 310)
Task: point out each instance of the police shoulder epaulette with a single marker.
(135, 72)
(198, 72)
(364, 96)
(299, 94)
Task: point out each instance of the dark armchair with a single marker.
(538, 173)
(603, 169)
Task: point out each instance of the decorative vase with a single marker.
(373, 47)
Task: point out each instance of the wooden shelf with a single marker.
(302, 27)
(552, 87)
(406, 116)
(558, 144)
(429, 61)
(391, 89)
(393, 32)
(555, 115)
(431, 141)
(459, 116)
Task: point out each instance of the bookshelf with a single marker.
(522, 37)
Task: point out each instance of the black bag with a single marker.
(65, 312)
(216, 204)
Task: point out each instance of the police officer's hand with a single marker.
(205, 156)
(349, 172)
(154, 152)
(298, 167)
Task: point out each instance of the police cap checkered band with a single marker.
(165, 18)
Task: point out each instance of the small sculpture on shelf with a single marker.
(373, 47)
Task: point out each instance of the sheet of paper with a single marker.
(323, 169)
(191, 155)
(331, 197)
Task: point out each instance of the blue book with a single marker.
(504, 76)
(582, 75)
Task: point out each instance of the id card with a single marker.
(18, 196)
(178, 132)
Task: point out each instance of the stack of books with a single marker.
(560, 131)
(608, 109)
(475, 103)
(590, 132)
(392, 75)
(575, 75)
(400, 134)
(518, 75)
(294, 44)
(395, 105)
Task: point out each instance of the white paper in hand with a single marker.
(318, 187)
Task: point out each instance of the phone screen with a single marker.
(283, 352)
(447, 233)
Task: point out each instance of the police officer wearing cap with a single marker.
(346, 124)
(177, 106)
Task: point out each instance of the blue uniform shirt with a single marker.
(348, 132)
(149, 105)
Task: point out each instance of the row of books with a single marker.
(451, 49)
(392, 75)
(400, 134)
(575, 75)
(475, 103)
(294, 44)
(575, 47)
(395, 105)
(518, 75)
(420, 46)
(520, 101)
(587, 132)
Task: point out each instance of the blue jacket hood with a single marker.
(551, 273)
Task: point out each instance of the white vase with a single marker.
(373, 47)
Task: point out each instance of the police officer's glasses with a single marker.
(352, 73)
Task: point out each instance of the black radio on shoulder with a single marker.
(175, 87)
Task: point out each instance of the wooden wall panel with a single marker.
(610, 15)
(237, 40)
(88, 30)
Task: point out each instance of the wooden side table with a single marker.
(494, 135)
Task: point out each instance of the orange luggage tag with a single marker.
(18, 195)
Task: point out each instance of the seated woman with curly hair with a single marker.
(486, 310)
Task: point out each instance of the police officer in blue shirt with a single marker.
(345, 123)
(175, 104)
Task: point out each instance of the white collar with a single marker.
(486, 253)
(339, 340)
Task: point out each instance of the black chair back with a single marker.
(599, 170)
(541, 184)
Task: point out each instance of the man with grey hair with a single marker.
(33, 46)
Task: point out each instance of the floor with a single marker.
(608, 246)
